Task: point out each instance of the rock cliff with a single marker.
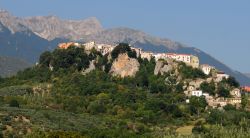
(124, 66)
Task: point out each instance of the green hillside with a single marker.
(56, 99)
(10, 66)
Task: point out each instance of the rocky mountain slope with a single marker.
(9, 66)
(23, 44)
(51, 27)
(29, 37)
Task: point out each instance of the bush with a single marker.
(189, 72)
(199, 128)
(232, 82)
(208, 87)
(123, 48)
(229, 107)
(14, 103)
(223, 92)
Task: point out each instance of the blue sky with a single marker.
(218, 27)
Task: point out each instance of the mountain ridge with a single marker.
(51, 27)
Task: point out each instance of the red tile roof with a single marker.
(246, 88)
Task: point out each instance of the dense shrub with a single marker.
(123, 48)
(14, 103)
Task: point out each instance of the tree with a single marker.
(123, 48)
(208, 87)
(45, 58)
(189, 72)
(232, 82)
(199, 103)
(72, 57)
(223, 92)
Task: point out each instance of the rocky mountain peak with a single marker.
(51, 27)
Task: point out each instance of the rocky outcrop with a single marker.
(164, 66)
(91, 67)
(124, 66)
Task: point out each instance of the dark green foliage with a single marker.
(199, 128)
(64, 135)
(14, 103)
(229, 107)
(123, 48)
(1, 79)
(197, 104)
(208, 87)
(229, 117)
(39, 74)
(72, 56)
(223, 92)
(45, 59)
(189, 72)
(232, 82)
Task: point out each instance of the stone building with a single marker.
(220, 76)
(186, 58)
(146, 55)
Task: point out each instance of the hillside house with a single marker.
(220, 76)
(246, 90)
(235, 93)
(197, 93)
(206, 68)
(90, 45)
(186, 58)
(67, 45)
(146, 55)
(104, 49)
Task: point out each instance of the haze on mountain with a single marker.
(247, 74)
(28, 37)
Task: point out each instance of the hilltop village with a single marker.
(191, 87)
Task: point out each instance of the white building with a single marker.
(180, 57)
(104, 48)
(186, 58)
(88, 46)
(197, 93)
(220, 76)
(206, 68)
(146, 55)
(206, 95)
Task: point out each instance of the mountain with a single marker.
(29, 37)
(247, 74)
(9, 66)
(51, 27)
(23, 44)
